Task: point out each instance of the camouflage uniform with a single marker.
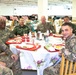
(5, 34)
(20, 30)
(44, 27)
(10, 63)
(70, 46)
(5, 71)
(31, 27)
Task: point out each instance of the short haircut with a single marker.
(66, 17)
(68, 24)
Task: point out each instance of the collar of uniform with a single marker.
(21, 26)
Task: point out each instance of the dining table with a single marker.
(37, 54)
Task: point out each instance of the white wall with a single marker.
(7, 10)
(25, 10)
(60, 10)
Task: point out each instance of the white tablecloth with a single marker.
(35, 60)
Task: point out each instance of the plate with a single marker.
(50, 48)
(58, 35)
(56, 50)
(59, 46)
(30, 47)
(14, 41)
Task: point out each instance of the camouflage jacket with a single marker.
(70, 48)
(18, 30)
(4, 48)
(5, 34)
(45, 27)
(5, 71)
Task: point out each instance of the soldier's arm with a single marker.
(52, 28)
(70, 54)
(15, 30)
(4, 48)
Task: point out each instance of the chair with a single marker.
(67, 67)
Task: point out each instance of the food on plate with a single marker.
(59, 47)
(58, 35)
(24, 46)
(49, 47)
(14, 40)
(27, 46)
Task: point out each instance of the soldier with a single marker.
(5, 33)
(44, 26)
(67, 19)
(69, 50)
(6, 56)
(21, 29)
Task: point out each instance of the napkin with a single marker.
(50, 48)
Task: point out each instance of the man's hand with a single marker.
(14, 57)
(67, 52)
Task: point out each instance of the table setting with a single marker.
(37, 54)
